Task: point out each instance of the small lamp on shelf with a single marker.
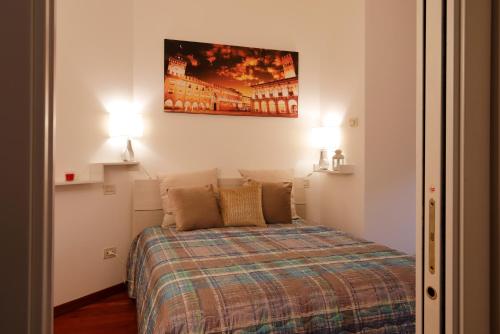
(326, 139)
(126, 124)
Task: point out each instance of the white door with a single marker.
(452, 204)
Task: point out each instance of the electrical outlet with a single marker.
(110, 252)
(109, 189)
(307, 183)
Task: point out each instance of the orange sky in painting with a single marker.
(230, 66)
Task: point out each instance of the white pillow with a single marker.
(181, 180)
(271, 175)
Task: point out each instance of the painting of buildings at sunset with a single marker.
(204, 78)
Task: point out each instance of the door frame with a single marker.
(27, 130)
(475, 105)
(467, 215)
(41, 225)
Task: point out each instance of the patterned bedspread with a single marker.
(282, 279)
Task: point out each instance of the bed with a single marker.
(290, 278)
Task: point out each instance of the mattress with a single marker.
(290, 278)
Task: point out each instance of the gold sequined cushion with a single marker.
(242, 206)
(271, 175)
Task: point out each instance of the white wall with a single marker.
(113, 50)
(342, 97)
(371, 75)
(94, 62)
(390, 123)
(94, 49)
(193, 142)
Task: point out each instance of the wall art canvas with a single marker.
(205, 78)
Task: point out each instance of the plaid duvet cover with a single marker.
(283, 279)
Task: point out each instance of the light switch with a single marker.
(353, 122)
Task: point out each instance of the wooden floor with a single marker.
(115, 314)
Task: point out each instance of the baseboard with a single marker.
(89, 299)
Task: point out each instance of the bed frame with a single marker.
(147, 209)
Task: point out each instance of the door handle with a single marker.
(432, 236)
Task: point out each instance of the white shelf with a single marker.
(76, 182)
(96, 173)
(328, 171)
(346, 170)
(118, 163)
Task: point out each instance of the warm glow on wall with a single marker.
(333, 116)
(125, 124)
(327, 137)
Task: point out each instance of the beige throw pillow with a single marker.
(180, 180)
(195, 208)
(271, 175)
(276, 203)
(242, 206)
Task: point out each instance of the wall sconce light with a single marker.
(129, 125)
(326, 139)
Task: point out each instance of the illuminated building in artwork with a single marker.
(288, 67)
(279, 96)
(176, 67)
(188, 94)
(276, 97)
